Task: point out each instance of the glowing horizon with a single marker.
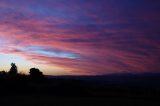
(80, 37)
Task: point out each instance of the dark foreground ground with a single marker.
(108, 90)
(74, 101)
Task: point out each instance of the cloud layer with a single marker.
(83, 36)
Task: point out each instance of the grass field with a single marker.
(74, 101)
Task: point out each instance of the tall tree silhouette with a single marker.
(13, 69)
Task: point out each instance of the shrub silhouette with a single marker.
(3, 73)
(13, 69)
(36, 74)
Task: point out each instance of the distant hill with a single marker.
(138, 80)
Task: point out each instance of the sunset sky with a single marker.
(80, 37)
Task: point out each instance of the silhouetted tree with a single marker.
(13, 70)
(36, 74)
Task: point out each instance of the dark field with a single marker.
(74, 101)
(126, 89)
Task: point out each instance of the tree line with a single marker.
(34, 73)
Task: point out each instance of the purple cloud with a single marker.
(85, 37)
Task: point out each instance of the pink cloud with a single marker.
(109, 39)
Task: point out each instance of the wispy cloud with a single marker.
(83, 37)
